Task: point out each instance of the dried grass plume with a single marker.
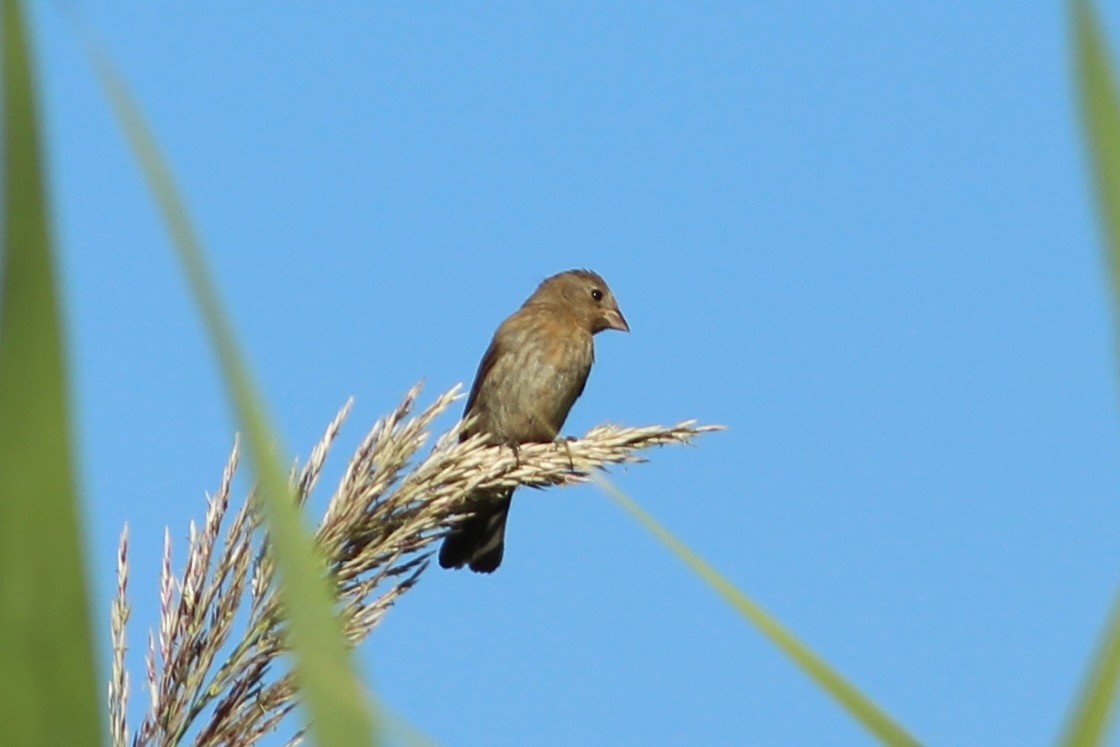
(211, 668)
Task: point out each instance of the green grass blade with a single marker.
(1101, 117)
(338, 713)
(49, 690)
(1100, 112)
(882, 726)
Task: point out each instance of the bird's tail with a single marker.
(478, 542)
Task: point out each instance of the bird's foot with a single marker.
(564, 441)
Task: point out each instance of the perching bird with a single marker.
(530, 376)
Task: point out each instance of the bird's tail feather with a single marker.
(479, 541)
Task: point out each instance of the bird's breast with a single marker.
(532, 387)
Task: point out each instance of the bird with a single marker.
(530, 376)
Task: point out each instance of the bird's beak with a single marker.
(615, 320)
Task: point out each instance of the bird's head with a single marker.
(584, 294)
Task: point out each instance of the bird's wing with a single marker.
(488, 359)
(582, 383)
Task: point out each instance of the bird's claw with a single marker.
(564, 441)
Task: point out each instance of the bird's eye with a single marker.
(597, 294)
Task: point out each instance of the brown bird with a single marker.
(528, 380)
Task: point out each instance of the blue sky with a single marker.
(860, 238)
